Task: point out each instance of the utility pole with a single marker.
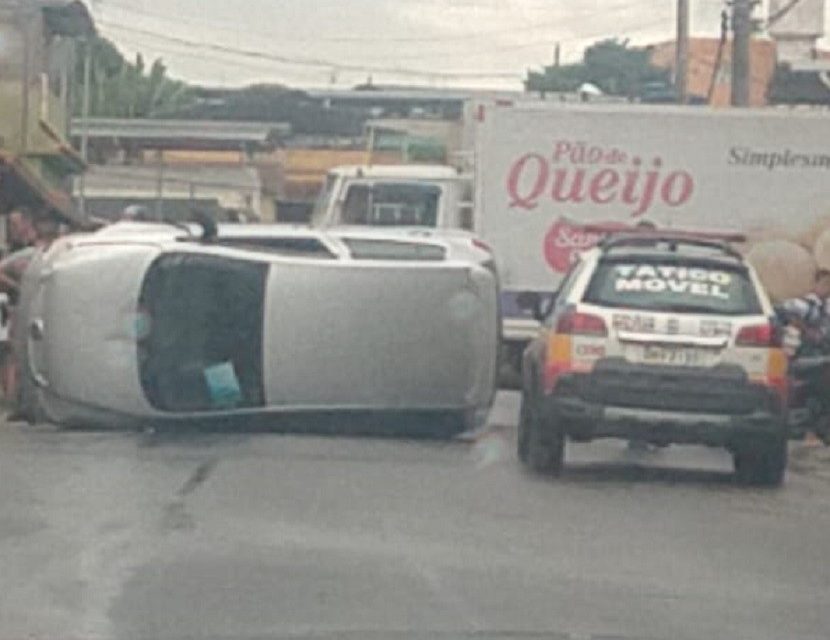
(85, 123)
(716, 70)
(741, 57)
(681, 62)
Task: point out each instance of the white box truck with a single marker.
(549, 179)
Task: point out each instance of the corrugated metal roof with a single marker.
(202, 130)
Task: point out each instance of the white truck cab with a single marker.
(434, 196)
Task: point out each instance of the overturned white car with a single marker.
(142, 325)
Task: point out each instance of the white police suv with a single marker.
(660, 338)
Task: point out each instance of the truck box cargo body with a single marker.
(549, 180)
(545, 175)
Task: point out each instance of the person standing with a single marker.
(810, 314)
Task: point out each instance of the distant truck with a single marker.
(545, 181)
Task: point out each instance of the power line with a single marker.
(782, 12)
(550, 41)
(624, 6)
(308, 62)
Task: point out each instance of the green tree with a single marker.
(611, 65)
(120, 89)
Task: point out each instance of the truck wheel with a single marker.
(761, 463)
(541, 447)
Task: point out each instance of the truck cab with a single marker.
(432, 196)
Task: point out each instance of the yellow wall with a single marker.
(304, 170)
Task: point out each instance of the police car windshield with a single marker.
(672, 286)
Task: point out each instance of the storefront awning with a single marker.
(20, 184)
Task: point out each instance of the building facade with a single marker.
(37, 64)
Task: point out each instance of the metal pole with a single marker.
(681, 63)
(159, 184)
(724, 37)
(741, 60)
(85, 123)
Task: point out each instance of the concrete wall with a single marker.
(805, 18)
(702, 58)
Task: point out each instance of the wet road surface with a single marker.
(268, 536)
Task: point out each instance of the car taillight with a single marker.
(574, 323)
(480, 244)
(759, 335)
(560, 353)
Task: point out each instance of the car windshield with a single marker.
(673, 286)
(392, 204)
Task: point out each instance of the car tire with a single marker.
(761, 463)
(541, 447)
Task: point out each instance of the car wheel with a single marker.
(761, 463)
(541, 446)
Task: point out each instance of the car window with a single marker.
(362, 249)
(565, 289)
(682, 287)
(288, 246)
(392, 204)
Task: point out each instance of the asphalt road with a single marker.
(268, 536)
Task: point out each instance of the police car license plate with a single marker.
(677, 356)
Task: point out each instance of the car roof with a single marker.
(669, 245)
(651, 255)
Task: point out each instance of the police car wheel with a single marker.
(761, 463)
(541, 446)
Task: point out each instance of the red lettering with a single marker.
(647, 197)
(560, 179)
(631, 177)
(598, 175)
(677, 189)
(517, 178)
(561, 149)
(602, 186)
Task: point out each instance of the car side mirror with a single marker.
(533, 302)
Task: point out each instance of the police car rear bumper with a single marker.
(585, 421)
(684, 405)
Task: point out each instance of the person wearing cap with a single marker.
(810, 314)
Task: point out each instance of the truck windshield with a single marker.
(687, 287)
(392, 204)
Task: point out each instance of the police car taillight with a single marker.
(574, 323)
(559, 358)
(759, 335)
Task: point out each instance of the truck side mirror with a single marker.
(535, 304)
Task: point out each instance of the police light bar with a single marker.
(668, 234)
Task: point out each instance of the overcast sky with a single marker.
(488, 43)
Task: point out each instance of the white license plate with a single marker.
(677, 356)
